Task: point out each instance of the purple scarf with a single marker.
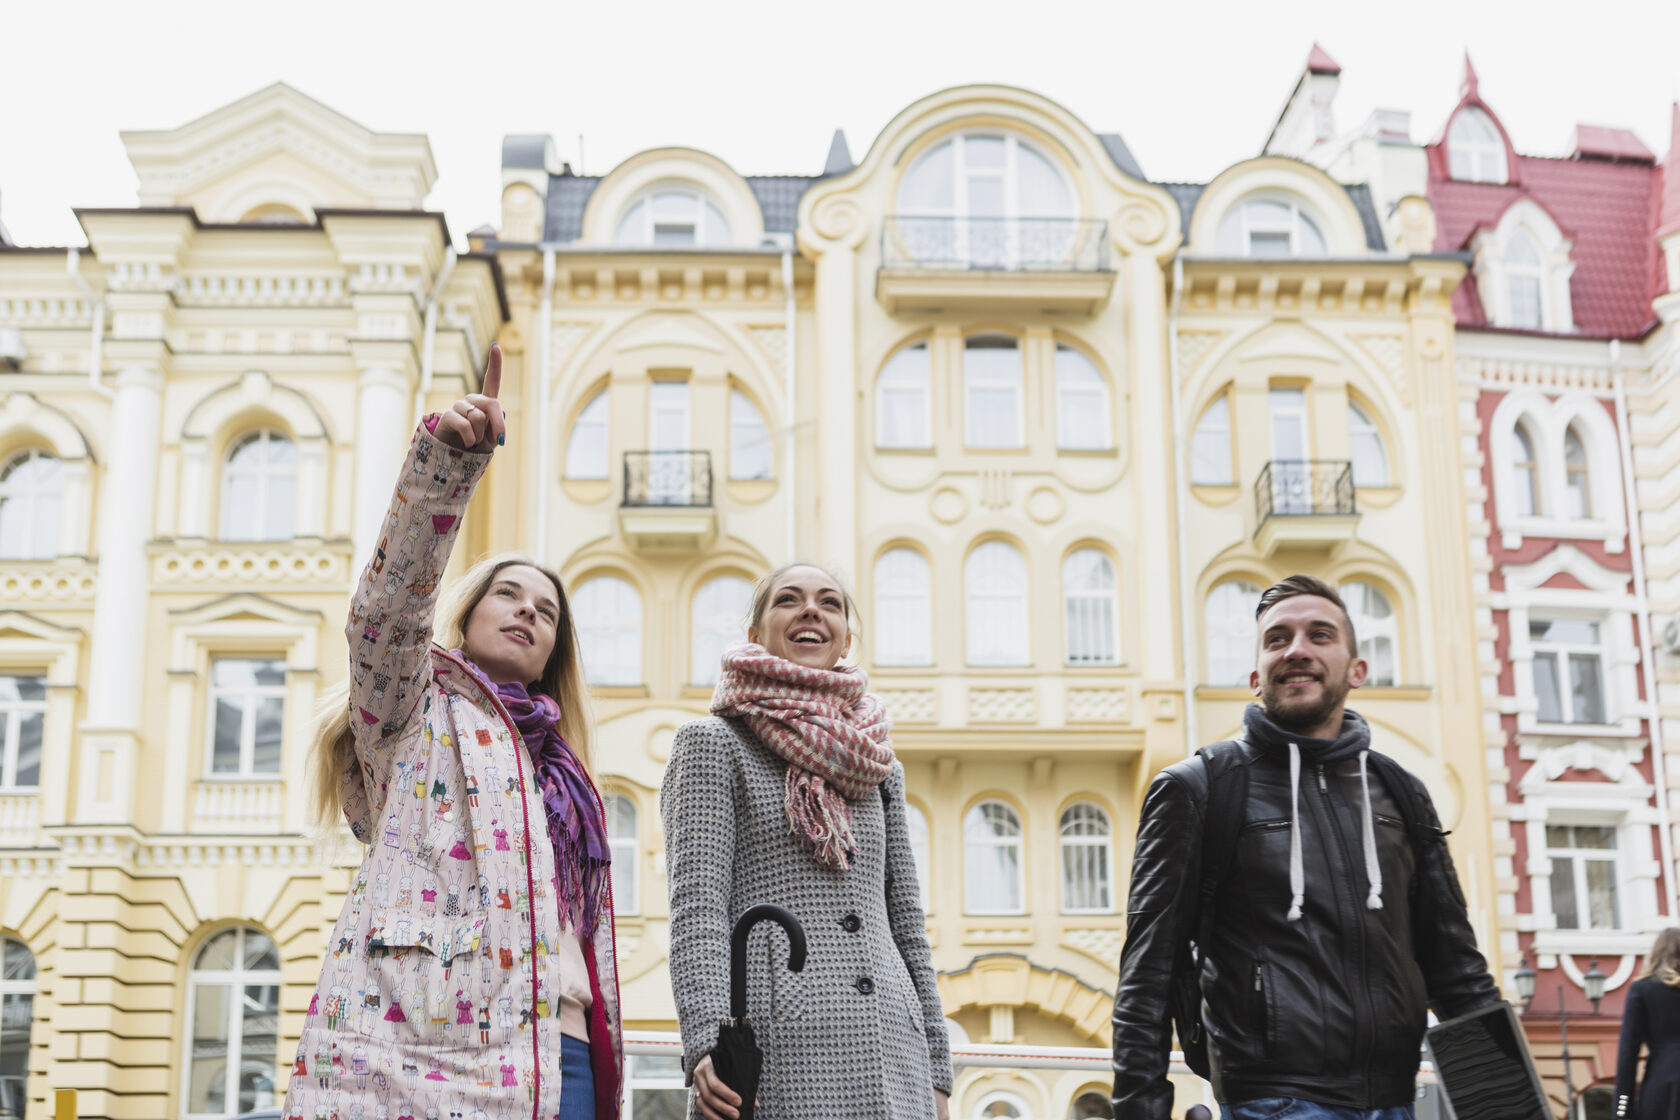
(582, 857)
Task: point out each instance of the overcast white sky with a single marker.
(1193, 87)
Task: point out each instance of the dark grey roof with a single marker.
(839, 159)
(1120, 154)
(1188, 194)
(778, 200)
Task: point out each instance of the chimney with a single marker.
(1308, 119)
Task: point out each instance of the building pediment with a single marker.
(276, 153)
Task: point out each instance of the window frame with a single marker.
(1577, 475)
(924, 863)
(263, 473)
(1240, 222)
(633, 628)
(1367, 628)
(1109, 599)
(1581, 889)
(897, 607)
(626, 852)
(973, 629)
(1361, 425)
(601, 399)
(1251, 630)
(1563, 655)
(9, 744)
(1205, 427)
(1015, 384)
(706, 212)
(886, 384)
(247, 721)
(697, 677)
(24, 989)
(1099, 401)
(1477, 151)
(739, 400)
(1018, 842)
(1532, 317)
(237, 979)
(36, 497)
(1101, 842)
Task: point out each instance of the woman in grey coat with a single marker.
(790, 793)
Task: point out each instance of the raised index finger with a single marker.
(493, 372)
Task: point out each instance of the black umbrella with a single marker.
(737, 1058)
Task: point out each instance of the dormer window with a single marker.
(1475, 148)
(673, 219)
(1273, 228)
(1525, 273)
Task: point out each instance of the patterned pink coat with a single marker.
(441, 784)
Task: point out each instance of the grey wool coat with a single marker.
(859, 1033)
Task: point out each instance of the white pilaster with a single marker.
(117, 658)
(195, 501)
(382, 414)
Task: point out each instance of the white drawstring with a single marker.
(1297, 869)
(1373, 867)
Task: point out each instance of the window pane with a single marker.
(632, 228)
(1563, 894)
(1309, 242)
(218, 952)
(230, 718)
(257, 1045)
(995, 578)
(18, 962)
(1210, 451)
(1601, 894)
(718, 621)
(280, 507)
(1089, 608)
(902, 399)
(265, 754)
(1586, 688)
(1370, 464)
(1081, 402)
(930, 186)
(29, 748)
(260, 952)
(586, 449)
(1268, 244)
(992, 381)
(241, 505)
(903, 609)
(1546, 688)
(915, 823)
(609, 622)
(749, 438)
(1042, 193)
(1525, 302)
(983, 151)
(1231, 632)
(207, 1079)
(1569, 631)
(17, 1012)
(717, 227)
(1525, 473)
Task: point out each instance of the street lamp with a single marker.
(1593, 981)
(1525, 977)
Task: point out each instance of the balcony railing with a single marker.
(667, 478)
(995, 244)
(1305, 488)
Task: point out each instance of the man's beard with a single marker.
(1299, 718)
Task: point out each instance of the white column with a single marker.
(117, 659)
(837, 379)
(382, 414)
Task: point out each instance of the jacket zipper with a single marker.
(1356, 925)
(1321, 783)
(1259, 977)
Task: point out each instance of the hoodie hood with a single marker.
(1263, 733)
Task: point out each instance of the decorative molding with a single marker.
(1500, 373)
(1002, 705)
(262, 289)
(1389, 352)
(1101, 945)
(240, 564)
(222, 806)
(773, 342)
(564, 339)
(1098, 705)
(45, 311)
(61, 581)
(20, 817)
(920, 705)
(998, 935)
(1193, 346)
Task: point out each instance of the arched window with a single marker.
(1577, 488)
(1001, 1105)
(902, 411)
(1370, 459)
(247, 711)
(31, 496)
(1525, 275)
(992, 882)
(1086, 881)
(1377, 629)
(1091, 1105)
(1210, 449)
(233, 1012)
(921, 850)
(985, 200)
(259, 488)
(17, 1012)
(1232, 632)
(23, 714)
(995, 578)
(673, 219)
(1525, 471)
(1081, 403)
(1274, 227)
(1475, 150)
(1089, 608)
(586, 447)
(623, 838)
(903, 608)
(609, 624)
(992, 392)
(718, 621)
(749, 438)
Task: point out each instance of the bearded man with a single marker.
(1336, 921)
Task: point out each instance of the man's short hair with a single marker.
(1291, 586)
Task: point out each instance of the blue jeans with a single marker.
(1285, 1108)
(577, 1081)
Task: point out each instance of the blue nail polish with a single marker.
(502, 438)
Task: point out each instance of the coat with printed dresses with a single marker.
(453, 915)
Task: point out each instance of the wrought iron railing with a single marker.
(667, 478)
(1305, 488)
(995, 244)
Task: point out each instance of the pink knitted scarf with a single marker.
(832, 732)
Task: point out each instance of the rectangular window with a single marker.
(1568, 671)
(23, 713)
(1584, 894)
(1525, 302)
(247, 706)
(992, 392)
(654, 1084)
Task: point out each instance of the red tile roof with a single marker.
(1609, 209)
(1596, 141)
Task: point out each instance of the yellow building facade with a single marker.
(1054, 423)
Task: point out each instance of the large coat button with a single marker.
(851, 923)
(865, 985)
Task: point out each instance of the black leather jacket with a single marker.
(1330, 1008)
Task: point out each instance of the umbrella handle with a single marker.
(783, 917)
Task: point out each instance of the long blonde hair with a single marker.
(334, 752)
(1663, 961)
